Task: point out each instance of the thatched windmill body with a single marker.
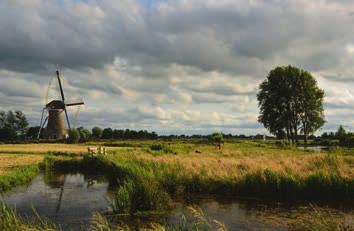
(55, 111)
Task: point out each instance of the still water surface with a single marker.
(71, 199)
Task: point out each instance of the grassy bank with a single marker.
(18, 176)
(17, 169)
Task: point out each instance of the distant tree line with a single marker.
(82, 134)
(225, 136)
(13, 125)
(341, 137)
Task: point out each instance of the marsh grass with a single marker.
(10, 221)
(323, 180)
(198, 221)
(330, 163)
(175, 177)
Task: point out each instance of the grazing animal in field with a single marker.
(96, 150)
(91, 150)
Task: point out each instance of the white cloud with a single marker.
(175, 66)
(350, 49)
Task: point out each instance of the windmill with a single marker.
(55, 111)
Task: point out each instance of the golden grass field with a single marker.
(237, 158)
(10, 161)
(233, 160)
(42, 148)
(46, 148)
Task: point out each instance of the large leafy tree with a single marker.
(290, 103)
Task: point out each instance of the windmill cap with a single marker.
(55, 104)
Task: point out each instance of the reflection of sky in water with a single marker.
(82, 197)
(78, 202)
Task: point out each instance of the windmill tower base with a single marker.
(56, 125)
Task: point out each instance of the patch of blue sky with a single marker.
(149, 3)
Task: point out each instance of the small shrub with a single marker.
(162, 148)
(74, 136)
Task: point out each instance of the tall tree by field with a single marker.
(290, 103)
(217, 139)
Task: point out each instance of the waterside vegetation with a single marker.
(149, 175)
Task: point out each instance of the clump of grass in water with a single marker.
(201, 221)
(320, 221)
(139, 195)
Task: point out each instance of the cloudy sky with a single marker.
(176, 66)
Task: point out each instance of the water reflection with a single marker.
(71, 199)
(66, 199)
(315, 148)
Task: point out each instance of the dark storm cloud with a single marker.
(122, 55)
(211, 36)
(207, 35)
